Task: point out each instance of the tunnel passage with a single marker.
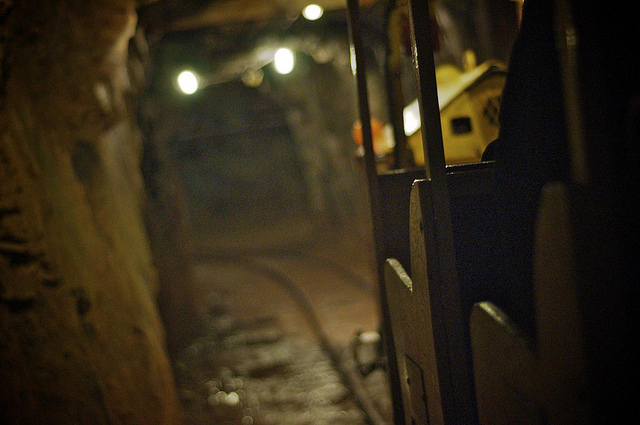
(237, 159)
(82, 337)
(250, 152)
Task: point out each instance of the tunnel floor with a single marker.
(292, 318)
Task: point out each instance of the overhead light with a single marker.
(312, 12)
(188, 82)
(283, 60)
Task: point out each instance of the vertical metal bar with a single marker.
(365, 119)
(567, 50)
(422, 49)
(374, 199)
(454, 360)
(393, 69)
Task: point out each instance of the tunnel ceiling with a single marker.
(222, 38)
(194, 14)
(229, 12)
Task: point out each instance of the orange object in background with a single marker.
(377, 134)
(383, 142)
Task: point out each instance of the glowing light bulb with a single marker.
(312, 12)
(284, 60)
(188, 82)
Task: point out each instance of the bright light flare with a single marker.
(188, 82)
(312, 12)
(411, 116)
(284, 60)
(352, 58)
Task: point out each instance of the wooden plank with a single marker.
(426, 320)
(414, 345)
(458, 402)
(505, 370)
(395, 190)
(515, 381)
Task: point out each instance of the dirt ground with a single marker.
(293, 314)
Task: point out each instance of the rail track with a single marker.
(297, 271)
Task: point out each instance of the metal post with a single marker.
(456, 380)
(374, 199)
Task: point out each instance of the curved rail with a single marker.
(349, 373)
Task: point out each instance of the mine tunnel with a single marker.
(190, 254)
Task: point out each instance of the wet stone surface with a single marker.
(253, 373)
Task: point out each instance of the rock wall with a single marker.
(81, 341)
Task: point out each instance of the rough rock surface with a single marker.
(80, 336)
